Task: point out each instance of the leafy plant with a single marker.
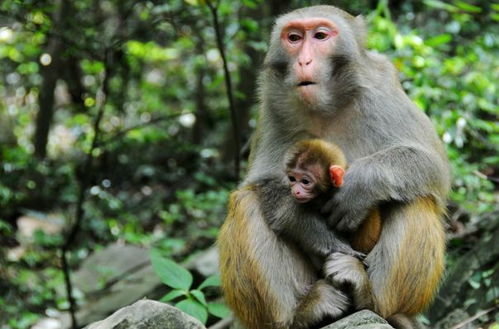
(191, 301)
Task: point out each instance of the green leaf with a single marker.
(493, 160)
(250, 4)
(439, 40)
(468, 7)
(193, 2)
(211, 281)
(473, 283)
(440, 5)
(198, 294)
(170, 272)
(219, 310)
(194, 309)
(491, 294)
(494, 326)
(172, 295)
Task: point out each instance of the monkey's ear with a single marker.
(336, 173)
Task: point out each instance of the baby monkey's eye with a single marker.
(305, 181)
(291, 179)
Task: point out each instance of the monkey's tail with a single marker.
(402, 321)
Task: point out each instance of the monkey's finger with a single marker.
(360, 255)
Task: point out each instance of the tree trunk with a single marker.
(202, 114)
(246, 86)
(50, 74)
(73, 78)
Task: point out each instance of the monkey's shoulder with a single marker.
(266, 184)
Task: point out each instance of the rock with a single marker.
(50, 224)
(360, 320)
(106, 267)
(47, 323)
(121, 274)
(205, 263)
(111, 279)
(148, 314)
(139, 284)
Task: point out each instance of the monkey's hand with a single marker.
(344, 271)
(346, 249)
(357, 254)
(350, 205)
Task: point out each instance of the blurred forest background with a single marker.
(116, 130)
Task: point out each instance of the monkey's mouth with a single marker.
(306, 83)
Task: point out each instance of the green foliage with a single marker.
(458, 92)
(191, 301)
(170, 273)
(160, 173)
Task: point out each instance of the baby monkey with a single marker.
(291, 207)
(314, 167)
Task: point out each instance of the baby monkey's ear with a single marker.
(336, 173)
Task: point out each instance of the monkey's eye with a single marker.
(291, 179)
(305, 181)
(294, 37)
(320, 35)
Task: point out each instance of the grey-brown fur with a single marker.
(301, 223)
(396, 162)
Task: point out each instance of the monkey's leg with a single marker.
(262, 277)
(366, 237)
(322, 301)
(402, 321)
(266, 280)
(407, 263)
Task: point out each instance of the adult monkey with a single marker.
(319, 81)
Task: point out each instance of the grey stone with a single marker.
(148, 314)
(205, 263)
(122, 274)
(360, 320)
(124, 292)
(109, 265)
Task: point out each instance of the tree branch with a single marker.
(84, 182)
(228, 85)
(126, 130)
(474, 317)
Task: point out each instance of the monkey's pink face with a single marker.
(303, 185)
(310, 44)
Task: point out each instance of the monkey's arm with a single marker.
(400, 173)
(300, 223)
(275, 202)
(311, 232)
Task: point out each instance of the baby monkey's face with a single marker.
(308, 182)
(305, 183)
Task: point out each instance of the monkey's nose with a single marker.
(305, 61)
